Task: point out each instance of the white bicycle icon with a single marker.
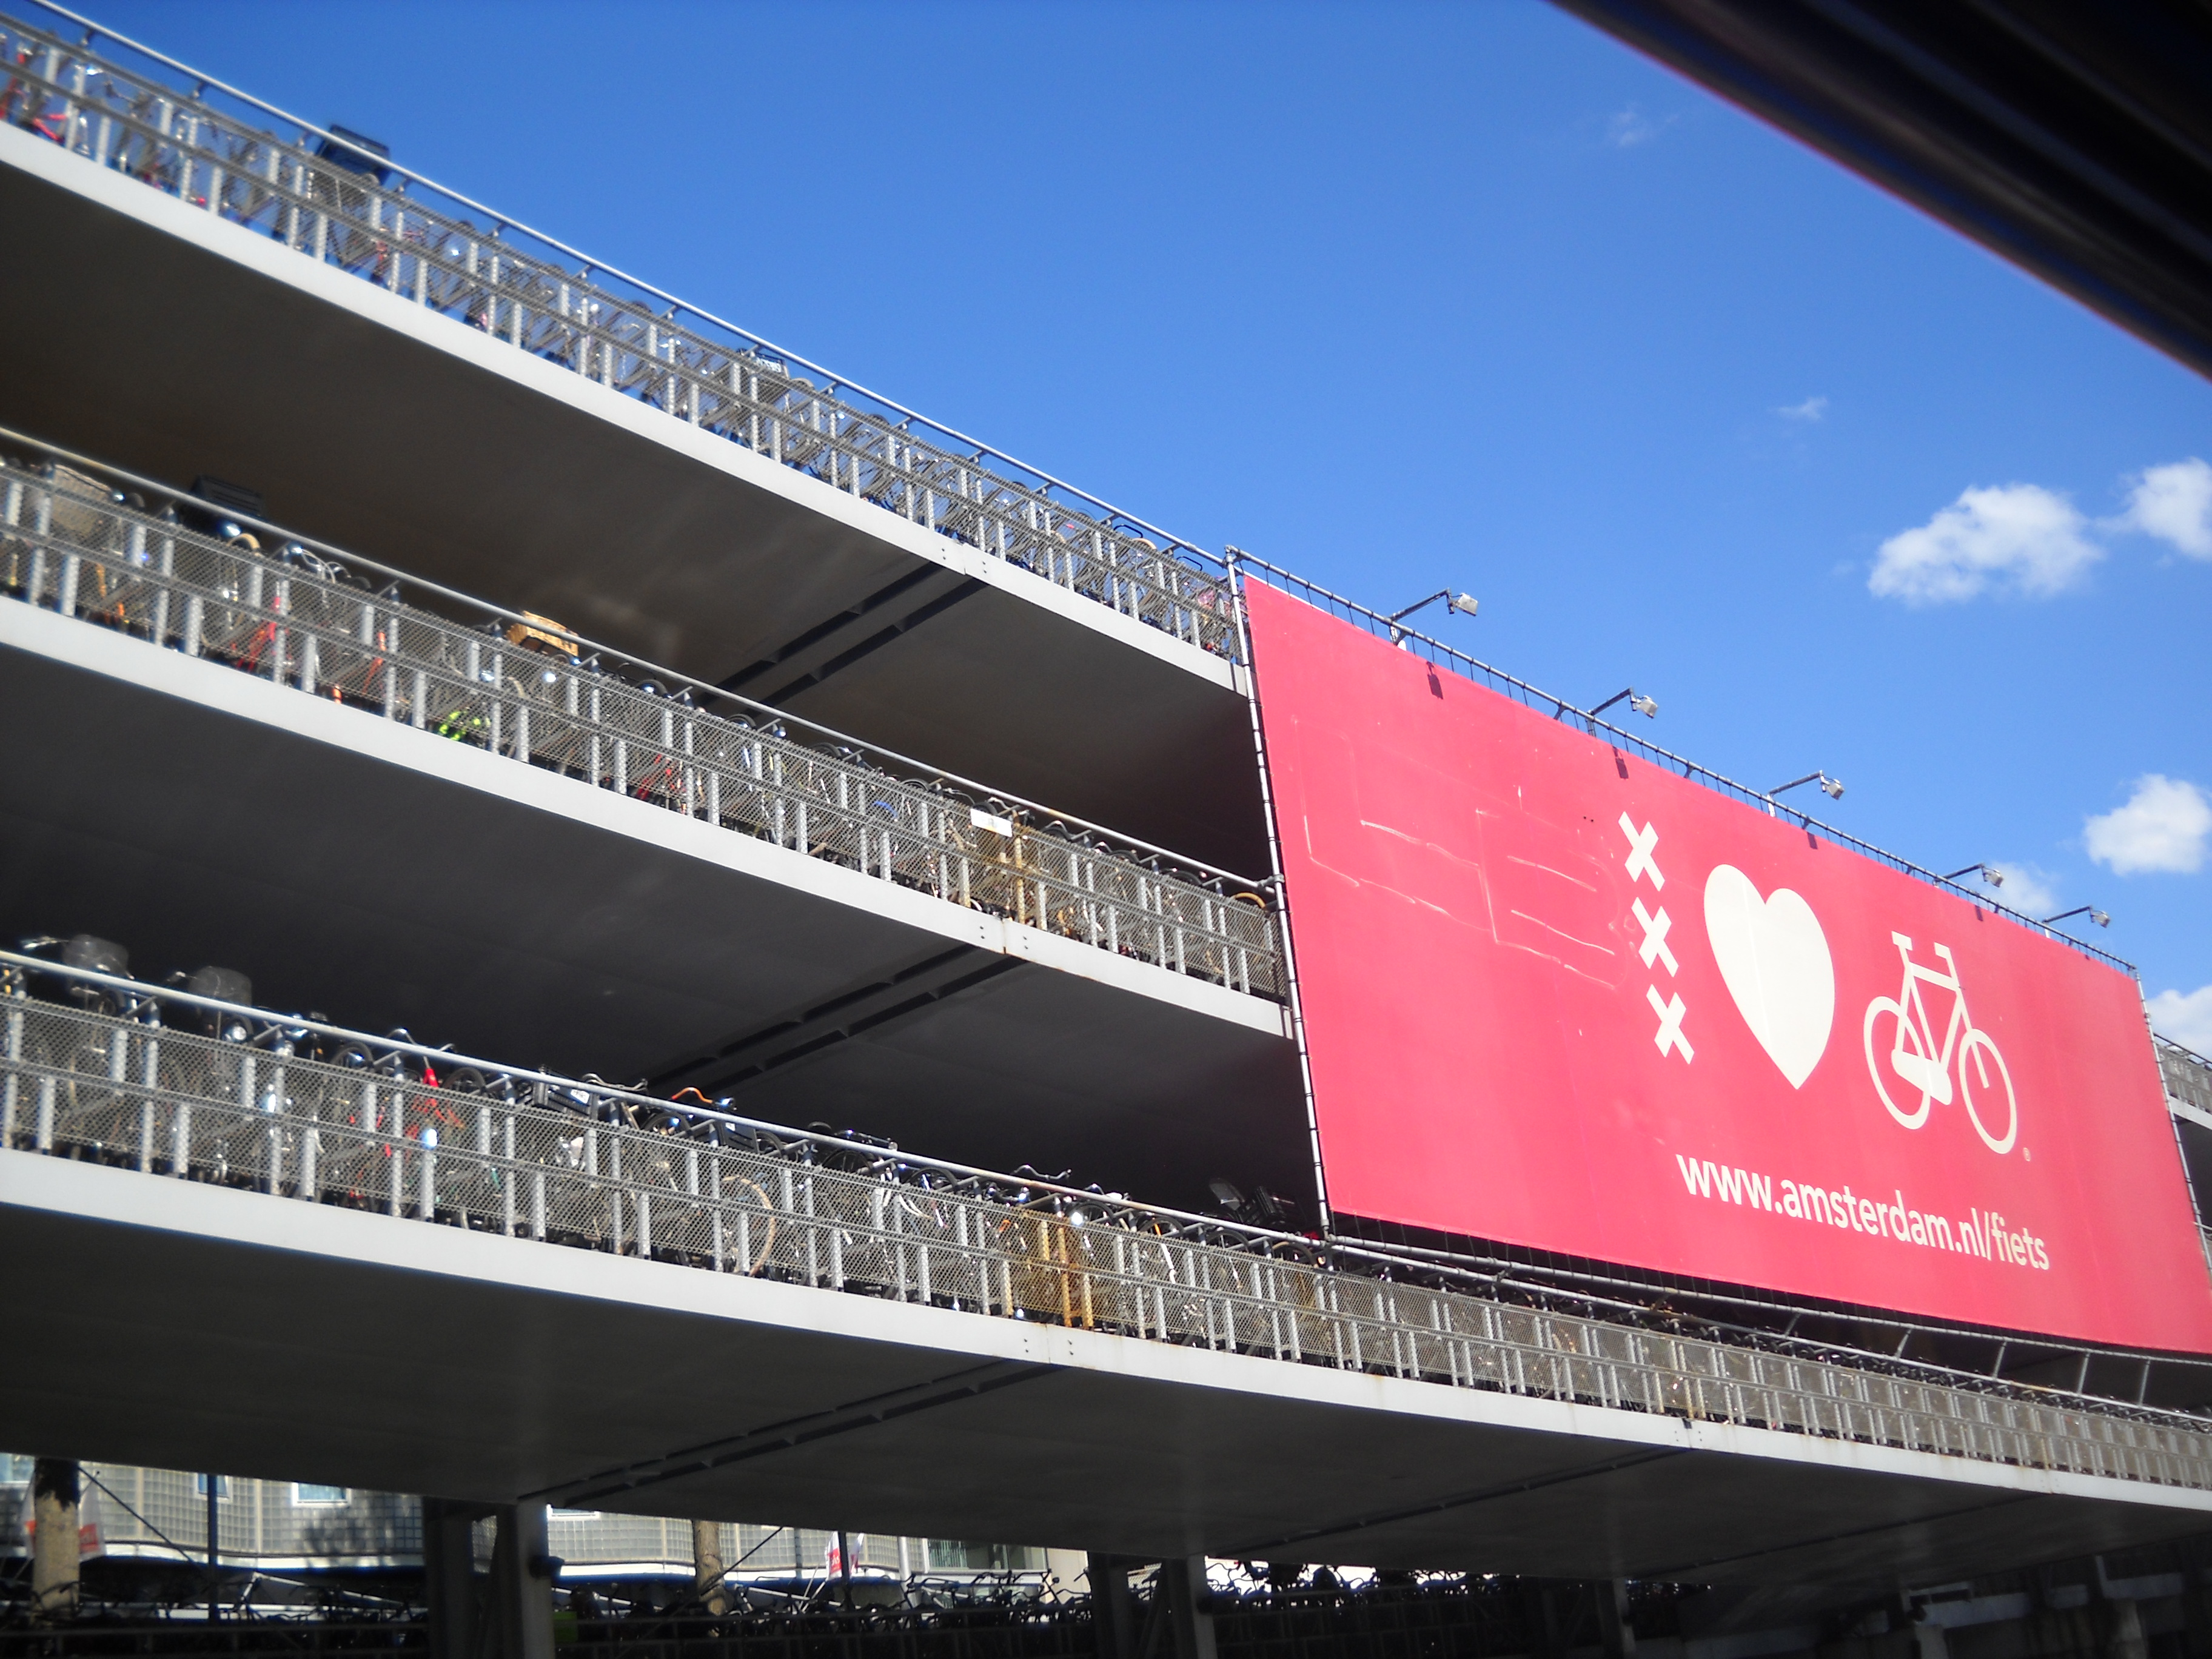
(1916, 1058)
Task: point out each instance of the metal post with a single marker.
(1234, 592)
(845, 1568)
(215, 1547)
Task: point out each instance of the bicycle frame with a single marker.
(1929, 1071)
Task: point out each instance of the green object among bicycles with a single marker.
(463, 726)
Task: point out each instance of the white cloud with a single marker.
(1631, 127)
(2019, 535)
(2164, 826)
(2174, 503)
(2184, 1017)
(2026, 889)
(1810, 410)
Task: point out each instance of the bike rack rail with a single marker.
(485, 268)
(294, 619)
(704, 1189)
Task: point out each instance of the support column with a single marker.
(1539, 1612)
(1183, 1583)
(2196, 1601)
(1113, 1609)
(1617, 1635)
(56, 1492)
(707, 1567)
(449, 1577)
(522, 1575)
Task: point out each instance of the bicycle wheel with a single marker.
(1905, 1041)
(1977, 1055)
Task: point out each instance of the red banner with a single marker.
(1558, 996)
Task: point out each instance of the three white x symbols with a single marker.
(1641, 842)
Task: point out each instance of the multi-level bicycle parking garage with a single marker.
(606, 687)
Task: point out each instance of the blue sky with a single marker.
(1410, 296)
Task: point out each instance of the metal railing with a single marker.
(294, 619)
(386, 1127)
(462, 261)
(1250, 567)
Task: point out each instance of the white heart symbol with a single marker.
(1775, 959)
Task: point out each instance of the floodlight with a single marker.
(1647, 707)
(1988, 873)
(1464, 604)
(1829, 786)
(2089, 910)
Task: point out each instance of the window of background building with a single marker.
(16, 1468)
(947, 1554)
(222, 1485)
(304, 1493)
